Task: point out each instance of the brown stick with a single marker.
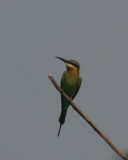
(88, 120)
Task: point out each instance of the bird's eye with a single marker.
(73, 64)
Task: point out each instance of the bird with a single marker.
(70, 83)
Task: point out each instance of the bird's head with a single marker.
(70, 64)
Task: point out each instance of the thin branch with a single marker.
(88, 120)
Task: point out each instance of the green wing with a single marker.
(77, 88)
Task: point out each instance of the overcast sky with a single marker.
(32, 33)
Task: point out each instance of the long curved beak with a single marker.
(62, 59)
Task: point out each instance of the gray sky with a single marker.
(32, 33)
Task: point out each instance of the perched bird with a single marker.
(70, 83)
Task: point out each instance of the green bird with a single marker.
(70, 83)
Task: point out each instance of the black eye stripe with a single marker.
(73, 64)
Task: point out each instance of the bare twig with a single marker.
(88, 120)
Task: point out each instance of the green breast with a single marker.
(70, 83)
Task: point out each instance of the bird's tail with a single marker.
(62, 119)
(59, 130)
(62, 116)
